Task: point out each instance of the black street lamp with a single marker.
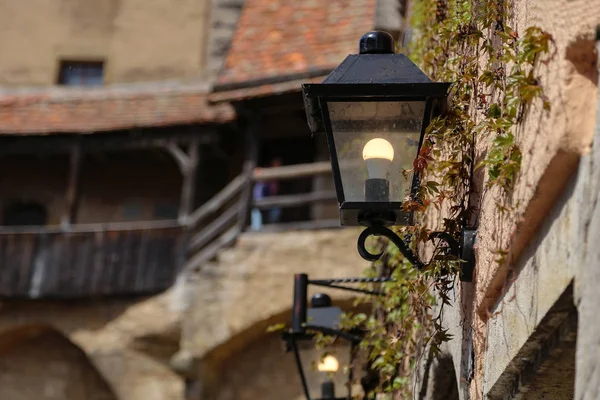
(322, 317)
(374, 109)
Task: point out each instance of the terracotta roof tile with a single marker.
(262, 90)
(279, 38)
(88, 110)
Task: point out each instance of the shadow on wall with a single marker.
(260, 371)
(440, 379)
(444, 385)
(39, 363)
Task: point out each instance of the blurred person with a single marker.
(260, 191)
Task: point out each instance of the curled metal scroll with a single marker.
(401, 244)
(393, 237)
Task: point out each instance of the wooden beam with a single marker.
(91, 228)
(209, 252)
(60, 144)
(189, 162)
(251, 142)
(215, 228)
(73, 188)
(181, 157)
(292, 171)
(293, 200)
(217, 201)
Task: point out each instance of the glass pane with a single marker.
(375, 142)
(326, 370)
(94, 76)
(72, 76)
(81, 74)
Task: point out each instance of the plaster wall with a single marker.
(139, 40)
(253, 282)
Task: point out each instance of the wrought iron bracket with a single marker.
(339, 284)
(463, 249)
(299, 315)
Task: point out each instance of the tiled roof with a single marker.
(88, 110)
(289, 38)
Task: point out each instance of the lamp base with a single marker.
(377, 189)
(327, 390)
(374, 213)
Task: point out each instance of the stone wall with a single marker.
(223, 23)
(251, 287)
(203, 339)
(128, 344)
(509, 348)
(139, 40)
(551, 142)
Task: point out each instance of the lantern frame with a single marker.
(375, 82)
(302, 329)
(376, 74)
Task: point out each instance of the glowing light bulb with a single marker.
(378, 155)
(328, 364)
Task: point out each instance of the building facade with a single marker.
(122, 182)
(131, 136)
(113, 41)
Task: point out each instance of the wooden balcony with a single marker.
(90, 260)
(136, 258)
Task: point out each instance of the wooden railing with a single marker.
(143, 257)
(90, 260)
(227, 211)
(217, 223)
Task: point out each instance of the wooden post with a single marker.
(188, 165)
(72, 196)
(251, 142)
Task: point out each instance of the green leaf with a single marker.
(494, 111)
(275, 327)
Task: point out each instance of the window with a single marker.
(81, 73)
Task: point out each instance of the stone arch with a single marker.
(259, 370)
(237, 368)
(39, 362)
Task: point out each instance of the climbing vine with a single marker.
(493, 68)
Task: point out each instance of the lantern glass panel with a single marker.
(323, 367)
(376, 143)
